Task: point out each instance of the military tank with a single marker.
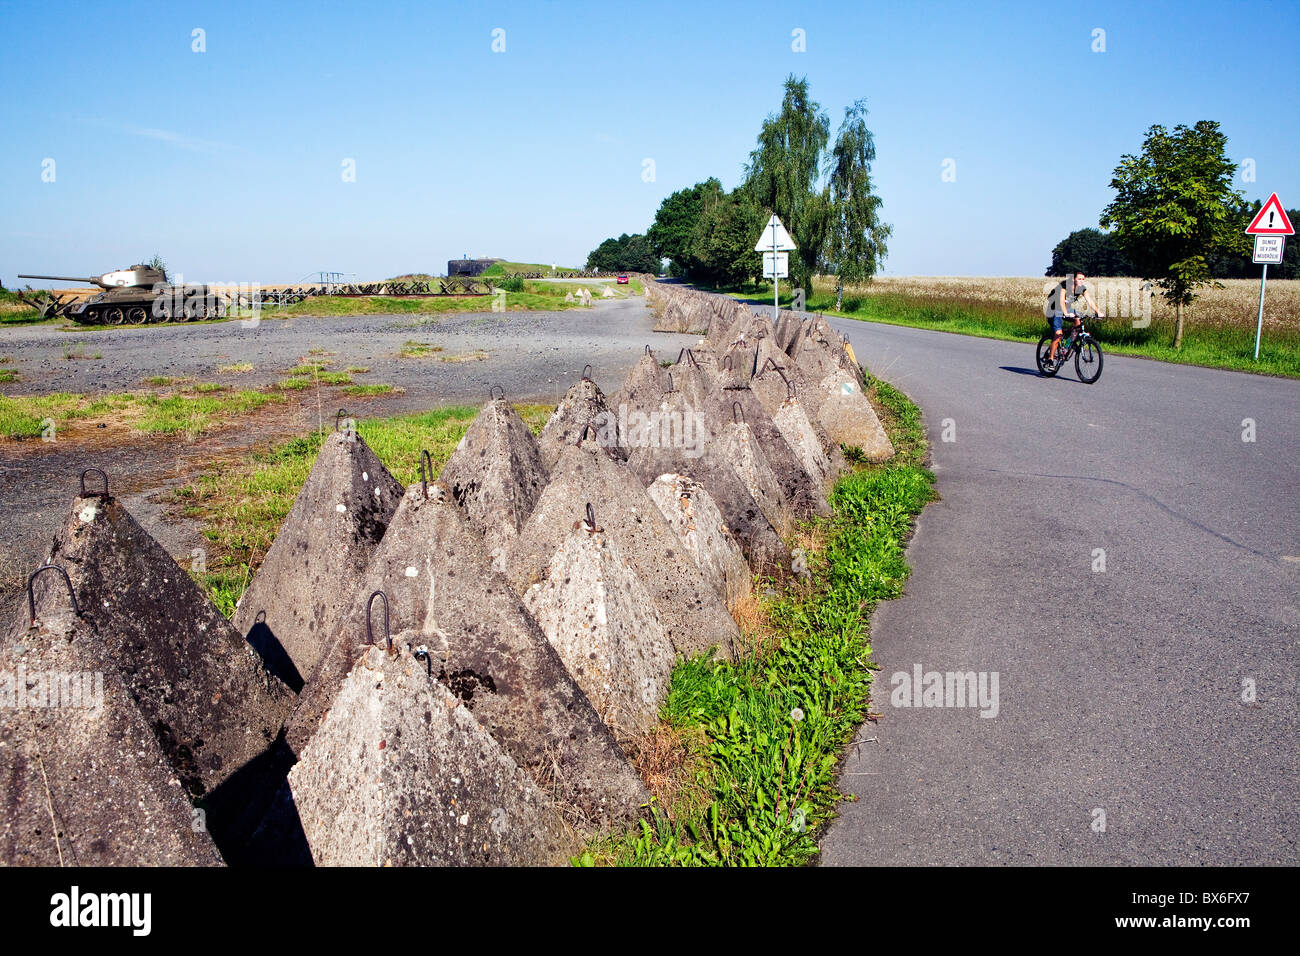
(136, 295)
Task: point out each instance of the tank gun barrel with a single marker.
(89, 281)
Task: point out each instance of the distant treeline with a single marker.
(1098, 254)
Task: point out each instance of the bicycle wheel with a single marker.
(1044, 350)
(1087, 361)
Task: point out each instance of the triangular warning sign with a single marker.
(1271, 220)
(782, 238)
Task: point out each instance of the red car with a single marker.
(622, 279)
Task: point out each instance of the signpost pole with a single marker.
(1259, 324)
(776, 282)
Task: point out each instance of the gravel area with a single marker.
(534, 356)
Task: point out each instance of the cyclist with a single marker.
(1060, 305)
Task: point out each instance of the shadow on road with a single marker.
(1030, 371)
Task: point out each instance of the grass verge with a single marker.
(743, 766)
(242, 504)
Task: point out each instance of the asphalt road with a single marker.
(1124, 692)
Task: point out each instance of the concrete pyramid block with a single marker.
(735, 366)
(693, 614)
(802, 436)
(849, 418)
(691, 512)
(642, 386)
(702, 392)
(401, 773)
(601, 621)
(496, 473)
(84, 780)
(793, 403)
(727, 328)
(787, 329)
(741, 448)
(584, 405)
(213, 705)
(701, 460)
(439, 582)
(321, 549)
(820, 352)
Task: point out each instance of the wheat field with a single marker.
(1233, 306)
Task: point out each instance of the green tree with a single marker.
(782, 175)
(624, 254)
(675, 223)
(1095, 252)
(156, 262)
(855, 235)
(722, 243)
(1175, 209)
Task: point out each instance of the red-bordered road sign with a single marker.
(1271, 220)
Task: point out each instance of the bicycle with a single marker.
(1078, 341)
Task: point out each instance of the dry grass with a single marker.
(667, 761)
(478, 355)
(751, 615)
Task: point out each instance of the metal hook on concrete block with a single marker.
(370, 602)
(31, 593)
(94, 494)
(737, 413)
(339, 416)
(492, 396)
(425, 475)
(670, 383)
(586, 373)
(589, 525)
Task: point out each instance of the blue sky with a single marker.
(229, 162)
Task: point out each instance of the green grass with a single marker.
(209, 387)
(15, 311)
(191, 416)
(414, 349)
(8, 375)
(763, 736)
(365, 390)
(1214, 346)
(242, 504)
(358, 369)
(510, 268)
(237, 369)
(162, 381)
(145, 412)
(531, 301)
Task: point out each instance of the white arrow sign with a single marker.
(774, 233)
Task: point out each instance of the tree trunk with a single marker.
(1178, 326)
(839, 294)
